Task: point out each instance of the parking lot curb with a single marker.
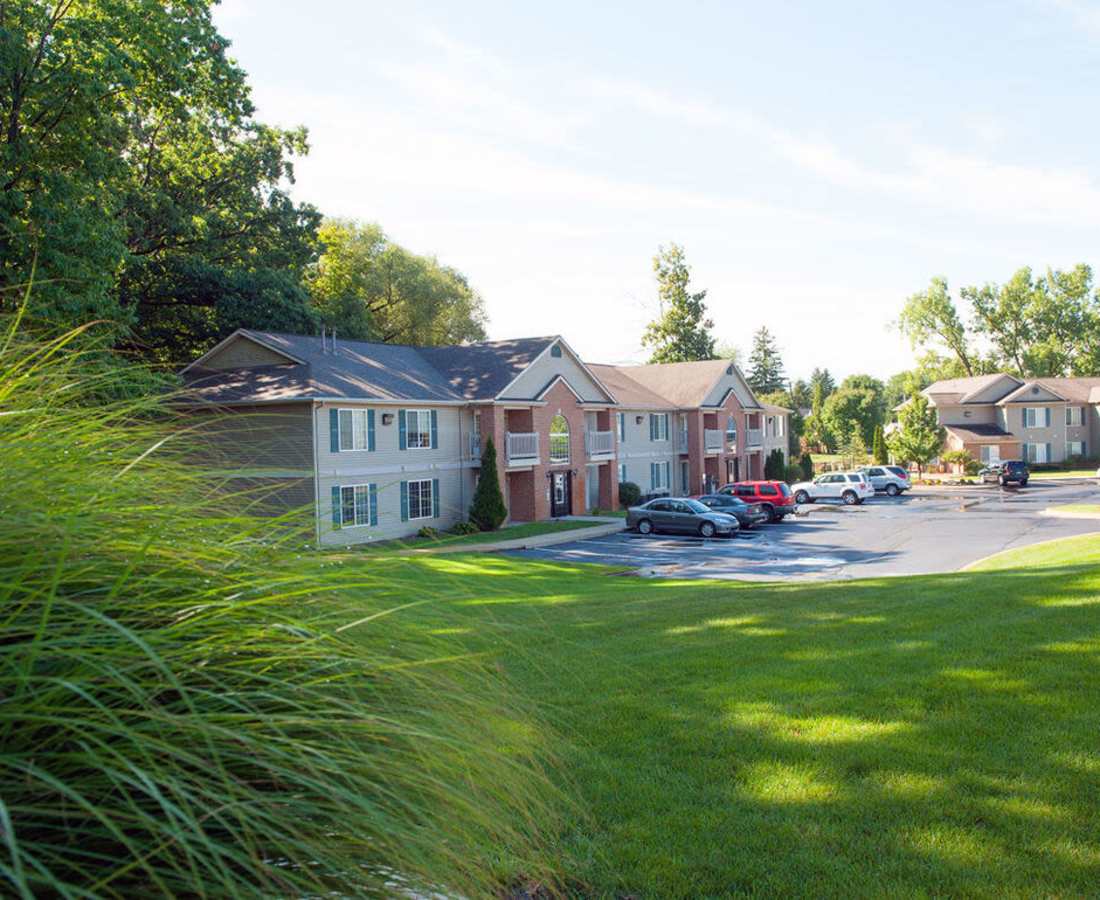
(526, 543)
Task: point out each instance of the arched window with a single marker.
(731, 430)
(559, 439)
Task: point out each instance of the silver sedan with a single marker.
(681, 516)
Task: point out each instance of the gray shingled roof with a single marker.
(368, 370)
(980, 431)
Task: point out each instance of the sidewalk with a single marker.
(601, 526)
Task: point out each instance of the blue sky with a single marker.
(818, 161)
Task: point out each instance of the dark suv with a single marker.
(1009, 471)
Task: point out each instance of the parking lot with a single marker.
(908, 535)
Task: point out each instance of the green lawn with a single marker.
(935, 735)
(1085, 509)
(1045, 474)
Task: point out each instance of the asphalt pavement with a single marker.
(908, 535)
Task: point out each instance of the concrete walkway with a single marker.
(601, 527)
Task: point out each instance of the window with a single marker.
(660, 476)
(420, 499)
(1074, 415)
(1037, 453)
(1075, 448)
(355, 426)
(780, 425)
(356, 501)
(622, 427)
(1036, 417)
(731, 430)
(876, 473)
(658, 426)
(555, 351)
(768, 490)
(559, 439)
(418, 429)
(622, 472)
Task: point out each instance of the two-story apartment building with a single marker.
(1000, 416)
(384, 439)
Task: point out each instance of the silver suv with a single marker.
(893, 480)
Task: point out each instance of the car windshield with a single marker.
(785, 489)
(696, 506)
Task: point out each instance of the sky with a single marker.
(818, 161)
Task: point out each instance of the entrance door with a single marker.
(561, 494)
(592, 486)
(685, 479)
(733, 470)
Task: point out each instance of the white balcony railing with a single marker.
(682, 441)
(712, 439)
(522, 446)
(754, 437)
(599, 443)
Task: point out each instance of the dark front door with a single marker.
(733, 469)
(561, 494)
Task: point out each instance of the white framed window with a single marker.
(1075, 448)
(661, 476)
(354, 431)
(1075, 415)
(658, 426)
(622, 427)
(622, 472)
(418, 429)
(420, 499)
(355, 503)
(780, 426)
(1037, 453)
(1036, 417)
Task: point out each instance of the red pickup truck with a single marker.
(774, 496)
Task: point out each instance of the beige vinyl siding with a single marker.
(1056, 435)
(543, 370)
(243, 353)
(968, 414)
(994, 391)
(388, 465)
(637, 451)
(725, 384)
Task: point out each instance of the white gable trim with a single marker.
(744, 383)
(558, 339)
(1015, 396)
(236, 335)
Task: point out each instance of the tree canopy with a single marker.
(765, 364)
(919, 437)
(681, 332)
(365, 286)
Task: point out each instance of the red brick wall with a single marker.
(559, 400)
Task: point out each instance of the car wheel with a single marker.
(1023, 483)
(801, 497)
(850, 498)
(892, 490)
(1003, 482)
(770, 510)
(707, 529)
(645, 527)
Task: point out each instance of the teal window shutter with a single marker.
(334, 430)
(404, 501)
(652, 473)
(370, 429)
(435, 430)
(336, 506)
(652, 426)
(1048, 417)
(373, 491)
(435, 495)
(1049, 457)
(402, 434)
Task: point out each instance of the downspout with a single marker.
(316, 479)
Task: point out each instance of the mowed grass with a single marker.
(934, 735)
(1048, 474)
(1078, 509)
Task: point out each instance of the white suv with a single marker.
(851, 487)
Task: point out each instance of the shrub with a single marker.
(488, 511)
(464, 528)
(427, 531)
(629, 494)
(195, 703)
(774, 465)
(807, 464)
(793, 474)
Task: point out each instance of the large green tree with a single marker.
(765, 364)
(365, 286)
(823, 380)
(930, 367)
(682, 330)
(930, 318)
(130, 161)
(859, 404)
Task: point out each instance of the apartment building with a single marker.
(1000, 416)
(383, 439)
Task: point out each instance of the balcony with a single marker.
(522, 447)
(682, 441)
(712, 440)
(475, 446)
(599, 443)
(754, 437)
